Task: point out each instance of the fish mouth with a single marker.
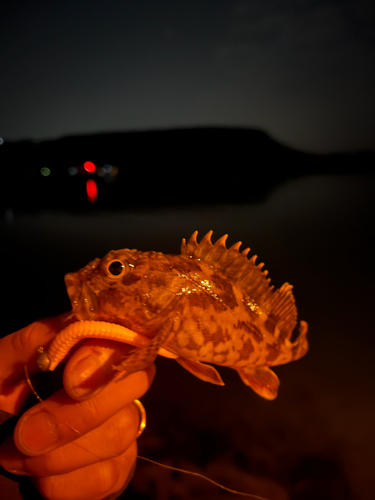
(82, 298)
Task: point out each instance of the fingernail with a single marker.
(86, 367)
(18, 472)
(88, 376)
(39, 432)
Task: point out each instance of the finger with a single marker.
(17, 350)
(59, 419)
(93, 482)
(19, 347)
(109, 440)
(90, 368)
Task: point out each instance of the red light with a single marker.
(89, 166)
(92, 190)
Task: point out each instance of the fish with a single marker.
(210, 305)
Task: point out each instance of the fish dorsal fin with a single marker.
(246, 275)
(241, 271)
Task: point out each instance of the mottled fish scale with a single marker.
(209, 304)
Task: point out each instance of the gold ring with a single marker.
(142, 416)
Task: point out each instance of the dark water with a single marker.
(316, 439)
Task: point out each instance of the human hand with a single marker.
(80, 443)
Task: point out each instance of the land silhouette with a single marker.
(158, 168)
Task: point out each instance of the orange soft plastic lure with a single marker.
(208, 305)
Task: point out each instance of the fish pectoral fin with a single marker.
(202, 371)
(262, 380)
(166, 353)
(142, 357)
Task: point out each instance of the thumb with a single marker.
(19, 349)
(90, 368)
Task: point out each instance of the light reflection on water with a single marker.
(306, 205)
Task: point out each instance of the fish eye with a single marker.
(116, 269)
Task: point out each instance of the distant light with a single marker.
(107, 168)
(89, 166)
(72, 170)
(91, 190)
(1, 141)
(45, 171)
(100, 172)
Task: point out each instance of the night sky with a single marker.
(301, 70)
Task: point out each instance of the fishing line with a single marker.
(191, 473)
(250, 495)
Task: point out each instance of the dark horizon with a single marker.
(231, 165)
(83, 134)
(103, 132)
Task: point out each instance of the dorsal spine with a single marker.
(246, 275)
